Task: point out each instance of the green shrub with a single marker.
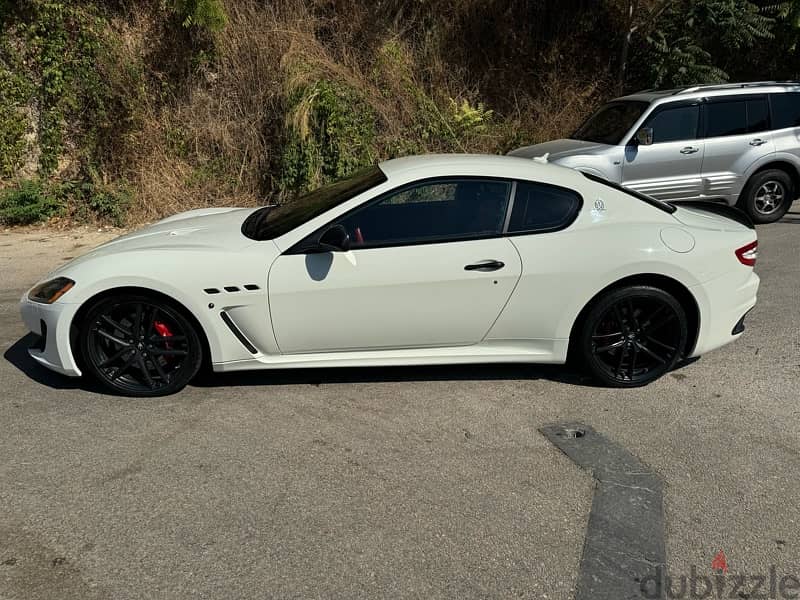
(330, 131)
(108, 203)
(15, 91)
(27, 203)
(208, 14)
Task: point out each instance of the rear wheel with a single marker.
(767, 196)
(633, 335)
(137, 345)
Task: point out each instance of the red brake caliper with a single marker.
(162, 330)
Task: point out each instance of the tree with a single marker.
(638, 16)
(682, 42)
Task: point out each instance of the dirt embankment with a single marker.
(39, 250)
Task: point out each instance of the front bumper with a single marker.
(51, 322)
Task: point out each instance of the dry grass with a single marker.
(217, 140)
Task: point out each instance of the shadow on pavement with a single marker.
(499, 372)
(18, 356)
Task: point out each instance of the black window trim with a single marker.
(308, 243)
(659, 204)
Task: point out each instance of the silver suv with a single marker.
(737, 142)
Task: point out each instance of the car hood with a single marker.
(558, 149)
(207, 228)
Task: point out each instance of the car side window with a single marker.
(757, 115)
(785, 110)
(432, 211)
(541, 207)
(675, 124)
(726, 118)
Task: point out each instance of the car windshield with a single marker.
(273, 221)
(611, 122)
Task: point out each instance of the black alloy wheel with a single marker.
(139, 346)
(633, 335)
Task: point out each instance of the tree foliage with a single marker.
(111, 106)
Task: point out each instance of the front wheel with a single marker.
(767, 196)
(632, 336)
(141, 346)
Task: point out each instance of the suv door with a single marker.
(785, 119)
(428, 266)
(669, 168)
(736, 135)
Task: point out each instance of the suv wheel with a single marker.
(767, 196)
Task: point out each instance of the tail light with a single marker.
(747, 255)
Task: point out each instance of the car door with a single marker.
(670, 167)
(428, 267)
(736, 135)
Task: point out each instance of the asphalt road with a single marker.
(364, 483)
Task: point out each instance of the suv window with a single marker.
(541, 207)
(757, 115)
(785, 110)
(726, 118)
(737, 117)
(433, 211)
(675, 124)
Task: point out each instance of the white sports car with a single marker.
(422, 260)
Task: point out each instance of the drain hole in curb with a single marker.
(572, 433)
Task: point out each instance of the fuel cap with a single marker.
(677, 240)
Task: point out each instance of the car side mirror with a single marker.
(644, 136)
(334, 239)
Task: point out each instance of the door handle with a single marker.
(689, 150)
(485, 266)
(758, 142)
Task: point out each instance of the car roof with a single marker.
(413, 168)
(722, 89)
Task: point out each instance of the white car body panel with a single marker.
(410, 305)
(385, 298)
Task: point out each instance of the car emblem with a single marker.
(599, 205)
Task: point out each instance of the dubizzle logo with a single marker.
(720, 584)
(720, 563)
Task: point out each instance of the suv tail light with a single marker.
(747, 255)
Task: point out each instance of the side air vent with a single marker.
(238, 333)
(231, 288)
(251, 287)
(211, 291)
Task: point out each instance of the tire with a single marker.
(163, 360)
(631, 336)
(767, 196)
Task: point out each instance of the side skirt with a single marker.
(494, 351)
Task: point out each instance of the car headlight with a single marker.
(50, 291)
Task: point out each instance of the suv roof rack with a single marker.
(732, 86)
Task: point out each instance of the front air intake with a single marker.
(238, 333)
